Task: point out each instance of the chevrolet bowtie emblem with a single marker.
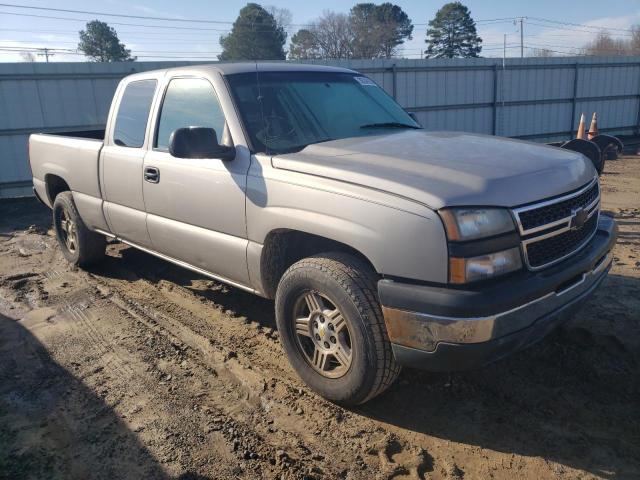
(578, 218)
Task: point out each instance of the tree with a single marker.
(330, 36)
(304, 46)
(100, 43)
(255, 35)
(378, 29)
(542, 52)
(634, 42)
(369, 31)
(604, 44)
(395, 26)
(366, 30)
(333, 35)
(27, 57)
(282, 16)
(452, 33)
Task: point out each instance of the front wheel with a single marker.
(332, 328)
(79, 245)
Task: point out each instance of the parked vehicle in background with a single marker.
(382, 244)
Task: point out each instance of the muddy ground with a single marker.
(137, 369)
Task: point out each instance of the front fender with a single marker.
(397, 242)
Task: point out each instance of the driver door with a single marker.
(196, 207)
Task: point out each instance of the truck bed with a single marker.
(87, 134)
(72, 156)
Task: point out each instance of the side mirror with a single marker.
(198, 142)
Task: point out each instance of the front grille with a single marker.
(554, 229)
(551, 213)
(550, 249)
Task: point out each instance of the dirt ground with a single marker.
(137, 369)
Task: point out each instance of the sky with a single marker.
(562, 26)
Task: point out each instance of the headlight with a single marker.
(464, 224)
(464, 270)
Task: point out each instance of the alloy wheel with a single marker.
(322, 334)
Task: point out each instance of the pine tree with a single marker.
(452, 33)
(100, 43)
(255, 35)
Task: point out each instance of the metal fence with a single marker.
(534, 98)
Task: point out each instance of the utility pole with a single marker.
(504, 51)
(521, 37)
(47, 53)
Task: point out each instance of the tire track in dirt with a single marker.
(194, 368)
(177, 313)
(80, 310)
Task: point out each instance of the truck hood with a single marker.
(441, 169)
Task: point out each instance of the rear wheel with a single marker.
(332, 328)
(79, 245)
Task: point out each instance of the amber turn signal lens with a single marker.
(457, 270)
(482, 267)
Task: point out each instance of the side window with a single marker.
(188, 102)
(133, 113)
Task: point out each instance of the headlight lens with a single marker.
(464, 270)
(472, 223)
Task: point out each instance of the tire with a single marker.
(79, 245)
(362, 364)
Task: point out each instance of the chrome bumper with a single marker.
(425, 331)
(441, 328)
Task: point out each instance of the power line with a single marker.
(120, 15)
(581, 25)
(172, 27)
(45, 52)
(576, 29)
(163, 27)
(187, 20)
(573, 54)
(180, 52)
(120, 32)
(229, 22)
(62, 42)
(193, 30)
(544, 45)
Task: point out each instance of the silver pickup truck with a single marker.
(382, 244)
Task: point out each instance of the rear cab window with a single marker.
(133, 113)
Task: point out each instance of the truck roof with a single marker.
(248, 67)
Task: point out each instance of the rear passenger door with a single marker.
(121, 162)
(196, 207)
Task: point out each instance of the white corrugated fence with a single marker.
(533, 98)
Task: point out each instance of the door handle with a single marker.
(151, 175)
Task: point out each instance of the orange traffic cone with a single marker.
(593, 129)
(580, 133)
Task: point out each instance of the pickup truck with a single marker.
(383, 244)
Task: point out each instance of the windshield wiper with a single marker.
(389, 125)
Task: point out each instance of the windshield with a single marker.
(286, 111)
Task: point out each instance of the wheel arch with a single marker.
(284, 247)
(54, 186)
